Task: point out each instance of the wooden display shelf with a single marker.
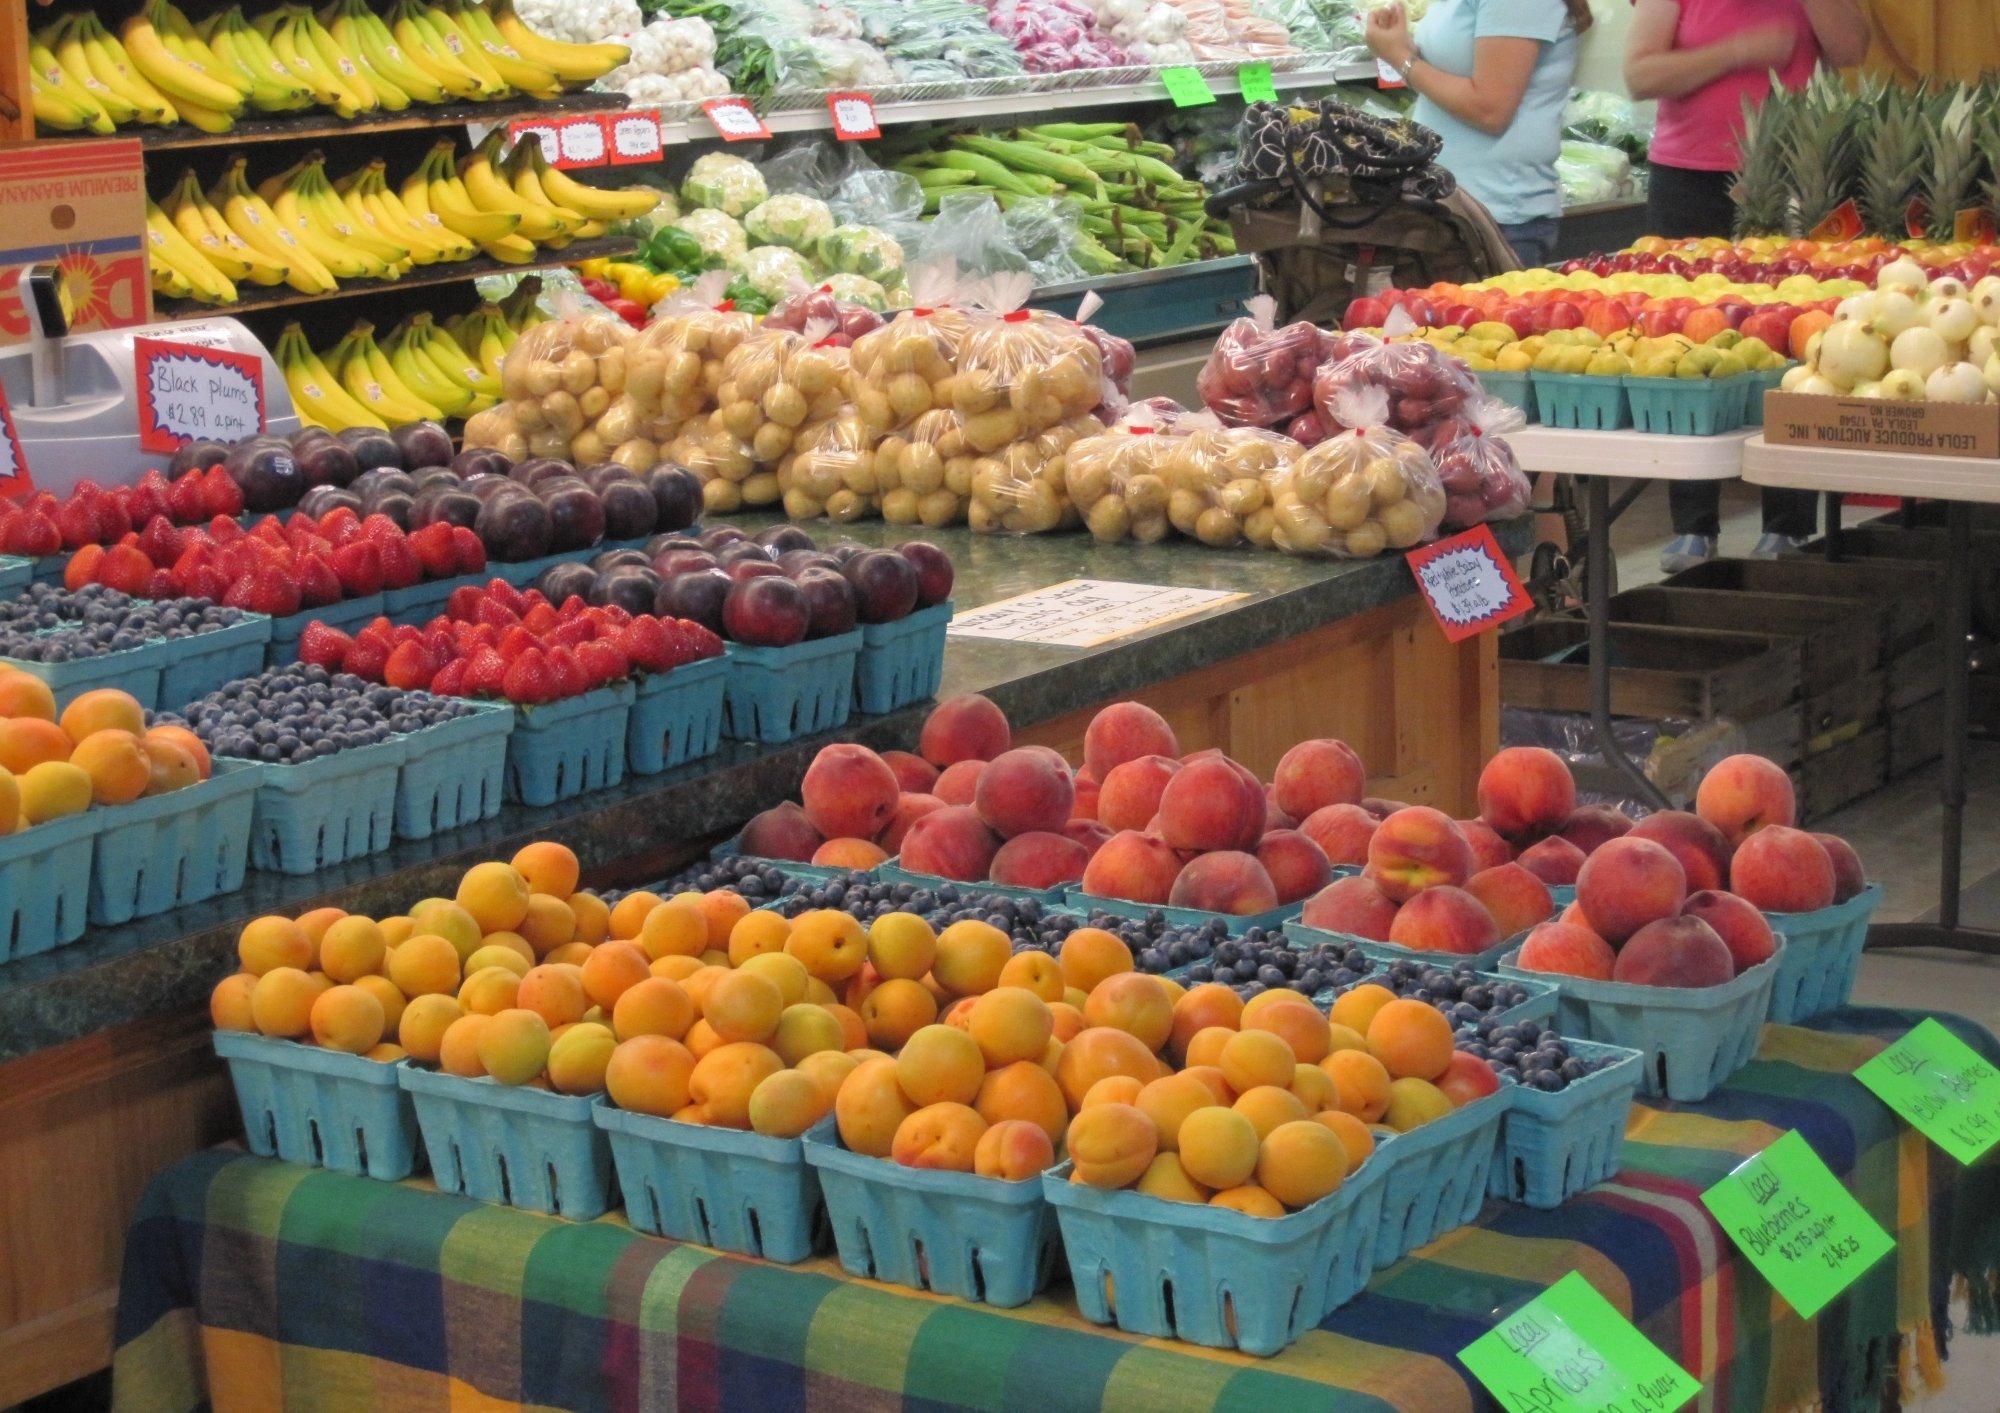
(319, 123)
(284, 297)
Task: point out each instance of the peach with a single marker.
(896, 1010)
(1554, 860)
(1009, 1025)
(970, 954)
(859, 854)
(1568, 950)
(1084, 806)
(1296, 866)
(1300, 1162)
(1224, 882)
(781, 832)
(579, 1057)
(1211, 803)
(724, 1079)
(1353, 906)
(1467, 1078)
(952, 842)
(1130, 794)
(1444, 919)
(1315, 774)
(1125, 731)
(1699, 845)
(1591, 825)
(962, 728)
(957, 784)
(1489, 850)
(1848, 878)
(1133, 866)
(1741, 927)
(1099, 1052)
(1135, 1003)
(849, 792)
(1025, 790)
(870, 1107)
(1628, 883)
(1275, 818)
(1341, 831)
(1515, 897)
(909, 809)
(1012, 1151)
(1090, 833)
(514, 1046)
(1743, 794)
(1411, 1038)
(1209, 1004)
(1782, 870)
(943, 1137)
(1039, 859)
(1526, 792)
(1417, 848)
(1218, 1147)
(914, 774)
(1675, 951)
(1026, 1092)
(1090, 954)
(1111, 1145)
(785, 1104)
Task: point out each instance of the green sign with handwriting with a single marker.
(1569, 1351)
(1798, 1225)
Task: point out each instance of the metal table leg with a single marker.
(1597, 612)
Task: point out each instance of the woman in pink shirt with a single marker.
(1701, 59)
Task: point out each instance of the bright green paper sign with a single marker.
(1569, 1351)
(1943, 1087)
(1254, 82)
(1186, 86)
(1797, 1224)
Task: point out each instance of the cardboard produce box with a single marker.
(1871, 424)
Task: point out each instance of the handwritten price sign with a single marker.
(581, 143)
(1569, 1351)
(187, 393)
(735, 120)
(543, 132)
(1468, 583)
(1798, 1225)
(634, 136)
(853, 116)
(15, 482)
(1945, 1088)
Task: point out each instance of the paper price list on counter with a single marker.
(1081, 613)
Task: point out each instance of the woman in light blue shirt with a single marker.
(1491, 78)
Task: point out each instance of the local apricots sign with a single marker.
(1569, 1350)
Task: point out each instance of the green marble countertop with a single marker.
(169, 963)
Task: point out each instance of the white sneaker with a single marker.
(1685, 552)
(1771, 545)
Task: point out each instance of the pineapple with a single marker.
(1892, 155)
(1986, 134)
(1955, 161)
(1819, 148)
(1761, 196)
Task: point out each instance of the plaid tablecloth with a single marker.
(253, 1284)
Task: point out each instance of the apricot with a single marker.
(29, 741)
(266, 943)
(901, 945)
(346, 1018)
(853, 1031)
(1251, 1200)
(828, 1069)
(871, 1107)
(579, 1057)
(517, 960)
(1204, 1047)
(1112, 1089)
(1413, 1103)
(1361, 1084)
(942, 1137)
(1068, 1020)
(490, 991)
(742, 1005)
(805, 1029)
(1218, 1147)
(440, 917)
(53, 790)
(514, 1046)
(1024, 1091)
(1356, 1006)
(940, 1064)
(195, 747)
(229, 1003)
(1132, 1002)
(1089, 955)
(104, 709)
(1356, 1139)
(612, 968)
(1203, 1006)
(1037, 973)
(649, 1074)
(495, 894)
(967, 727)
(423, 1024)
(624, 921)
(1296, 1023)
(24, 695)
(1012, 1150)
(829, 944)
(785, 1104)
(723, 1079)
(896, 1010)
(170, 766)
(423, 964)
(117, 765)
(554, 992)
(1255, 1057)
(1300, 1162)
(723, 909)
(1313, 1087)
(1097, 1052)
(1111, 1145)
(1268, 1105)
(970, 955)
(1412, 1039)
(1010, 1024)
(548, 868)
(458, 1051)
(654, 1006)
(673, 929)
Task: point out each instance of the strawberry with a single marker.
(184, 499)
(220, 495)
(439, 641)
(434, 551)
(82, 567)
(339, 525)
(539, 620)
(528, 679)
(161, 542)
(484, 634)
(411, 667)
(148, 498)
(507, 596)
(450, 679)
(222, 529)
(532, 598)
(366, 660)
(322, 645)
(573, 607)
(269, 531)
(439, 623)
(273, 591)
(125, 568)
(602, 661)
(405, 633)
(517, 640)
(237, 594)
(358, 565)
(485, 671)
(571, 632)
(39, 536)
(160, 586)
(614, 615)
(318, 584)
(463, 603)
(644, 641)
(492, 611)
(707, 643)
(378, 630)
(78, 524)
(469, 550)
(568, 676)
(113, 520)
(400, 567)
(380, 527)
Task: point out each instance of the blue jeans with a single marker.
(1533, 241)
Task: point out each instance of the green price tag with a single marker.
(1797, 1224)
(1569, 1351)
(1186, 86)
(1253, 81)
(1942, 1086)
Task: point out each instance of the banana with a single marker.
(256, 50)
(421, 231)
(476, 24)
(444, 194)
(521, 310)
(114, 69)
(424, 48)
(452, 360)
(465, 49)
(311, 36)
(316, 394)
(190, 210)
(370, 352)
(539, 222)
(345, 205)
(272, 88)
(324, 204)
(64, 110)
(377, 389)
(346, 262)
(166, 244)
(281, 30)
(60, 44)
(362, 36)
(185, 43)
(424, 379)
(179, 79)
(592, 202)
(572, 63)
(246, 214)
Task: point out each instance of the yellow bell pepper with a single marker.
(659, 287)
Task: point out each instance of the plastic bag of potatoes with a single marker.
(1356, 495)
(1219, 483)
(923, 471)
(1020, 488)
(679, 358)
(774, 384)
(1118, 482)
(905, 369)
(831, 470)
(567, 394)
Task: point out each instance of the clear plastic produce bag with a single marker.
(824, 305)
(923, 471)
(1482, 481)
(1419, 385)
(1359, 492)
(1021, 371)
(774, 383)
(790, 219)
(676, 361)
(1119, 483)
(1219, 482)
(564, 385)
(1258, 375)
(863, 250)
(831, 470)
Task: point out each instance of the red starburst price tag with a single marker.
(541, 131)
(735, 120)
(15, 482)
(189, 393)
(853, 116)
(1386, 75)
(633, 137)
(1468, 583)
(581, 143)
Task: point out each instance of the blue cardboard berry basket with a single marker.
(186, 846)
(1581, 400)
(1304, 936)
(901, 662)
(1437, 1177)
(676, 716)
(1211, 1275)
(560, 750)
(1822, 955)
(196, 665)
(527, 1148)
(729, 848)
(1564, 894)
(956, 1234)
(321, 1107)
(1691, 1038)
(1539, 1005)
(452, 772)
(1510, 388)
(734, 1191)
(1271, 920)
(45, 883)
(135, 671)
(1554, 1145)
(348, 615)
(1688, 407)
(322, 812)
(776, 695)
(17, 573)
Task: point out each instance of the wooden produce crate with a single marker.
(1916, 736)
(1661, 673)
(1911, 591)
(1843, 711)
(1839, 639)
(1885, 541)
(1841, 775)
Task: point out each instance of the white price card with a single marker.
(1468, 583)
(853, 116)
(735, 120)
(581, 142)
(635, 136)
(1082, 613)
(542, 132)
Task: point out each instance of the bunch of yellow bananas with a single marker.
(420, 370)
(310, 231)
(160, 68)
